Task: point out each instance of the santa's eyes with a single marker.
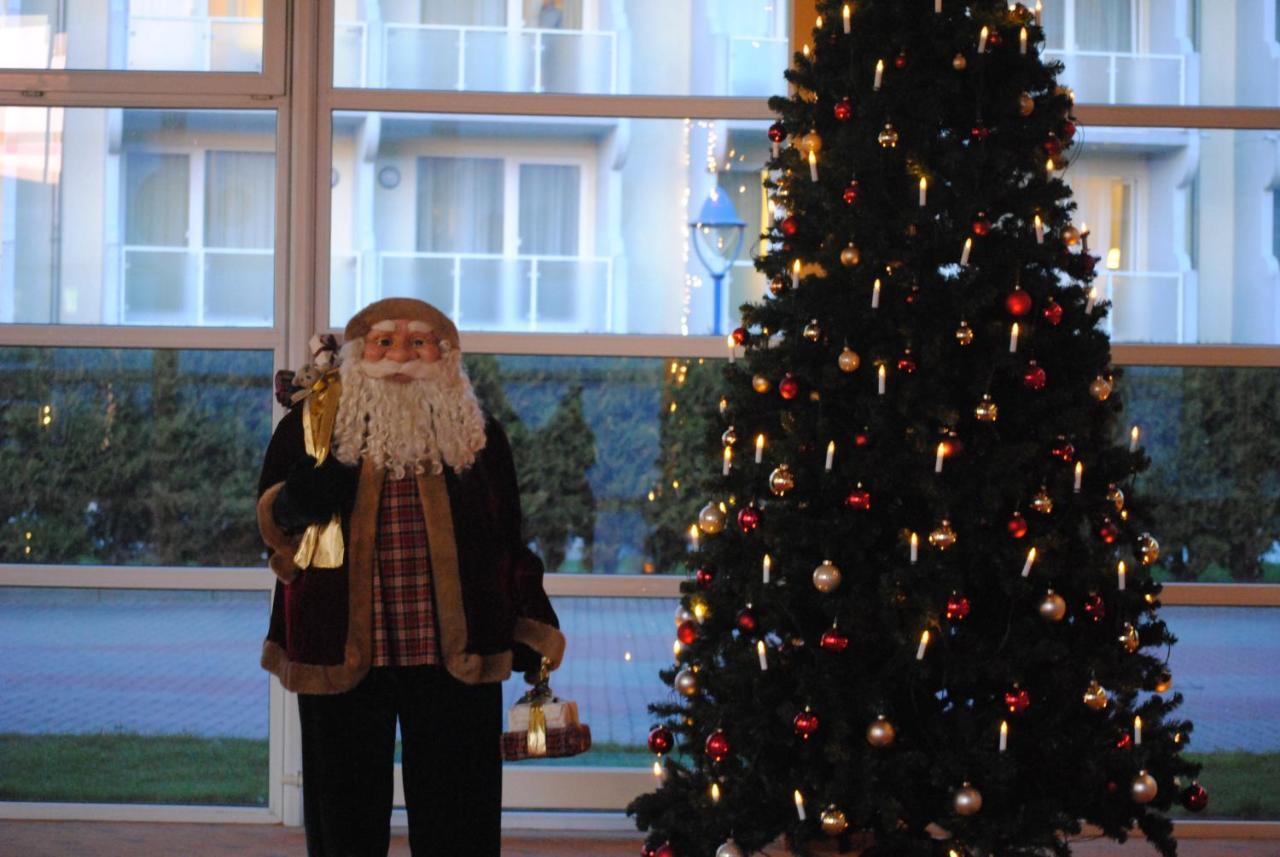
(384, 342)
(419, 342)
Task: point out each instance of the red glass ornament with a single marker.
(850, 194)
(717, 746)
(687, 632)
(1108, 531)
(1095, 607)
(1053, 147)
(900, 61)
(911, 296)
(1017, 525)
(834, 640)
(859, 499)
(981, 224)
(995, 38)
(788, 387)
(1195, 798)
(957, 608)
(1112, 787)
(1064, 450)
(661, 740)
(746, 620)
(906, 363)
(1053, 313)
(1068, 130)
(861, 439)
(748, 518)
(844, 110)
(1034, 377)
(1018, 302)
(805, 723)
(789, 226)
(1017, 701)
(979, 132)
(703, 577)
(741, 336)
(665, 850)
(1124, 742)
(777, 132)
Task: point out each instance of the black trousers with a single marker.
(451, 763)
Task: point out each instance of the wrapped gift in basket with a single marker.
(542, 725)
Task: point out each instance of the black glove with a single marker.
(311, 495)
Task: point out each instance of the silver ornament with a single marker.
(729, 849)
(684, 614)
(1053, 606)
(826, 577)
(686, 682)
(1148, 549)
(1143, 789)
(711, 518)
(967, 800)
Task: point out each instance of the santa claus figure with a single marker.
(407, 593)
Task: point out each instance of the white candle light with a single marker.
(1031, 560)
(1022, 42)
(795, 274)
(1039, 14)
(1079, 476)
(880, 379)
(982, 40)
(915, 548)
(733, 348)
(799, 799)
(942, 453)
(693, 536)
(764, 658)
(924, 644)
(875, 293)
(1137, 730)
(1013, 339)
(1120, 576)
(728, 460)
(715, 792)
(1004, 735)
(657, 769)
(1134, 434)
(846, 13)
(879, 75)
(968, 248)
(831, 455)
(813, 166)
(759, 448)
(766, 565)
(924, 191)
(937, 7)
(1093, 297)
(1039, 230)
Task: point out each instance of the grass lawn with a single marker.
(119, 768)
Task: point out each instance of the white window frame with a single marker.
(303, 140)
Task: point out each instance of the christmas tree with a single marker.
(922, 620)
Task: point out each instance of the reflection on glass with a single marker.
(157, 217)
(133, 697)
(132, 457)
(667, 47)
(556, 225)
(141, 35)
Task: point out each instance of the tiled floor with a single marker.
(64, 839)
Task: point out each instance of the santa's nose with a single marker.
(399, 353)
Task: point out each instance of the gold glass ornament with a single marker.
(888, 137)
(848, 361)
(943, 536)
(826, 577)
(850, 256)
(1067, 92)
(1095, 696)
(684, 614)
(1053, 606)
(781, 480)
(881, 732)
(987, 410)
(1042, 502)
(964, 333)
(1163, 682)
(967, 800)
(1129, 638)
(1116, 496)
(711, 518)
(778, 286)
(730, 436)
(959, 62)
(811, 142)
(761, 384)
(1100, 389)
(1143, 789)
(1148, 549)
(1026, 104)
(686, 682)
(834, 821)
(1070, 236)
(812, 331)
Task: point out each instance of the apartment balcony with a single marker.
(756, 65)
(485, 291)
(196, 286)
(477, 58)
(193, 43)
(1149, 306)
(1105, 77)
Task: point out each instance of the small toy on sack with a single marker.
(541, 725)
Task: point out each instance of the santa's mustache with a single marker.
(419, 370)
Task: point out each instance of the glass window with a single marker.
(141, 35)
(666, 47)
(158, 217)
(132, 457)
(129, 696)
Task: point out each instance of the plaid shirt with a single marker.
(404, 621)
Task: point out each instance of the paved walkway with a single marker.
(74, 661)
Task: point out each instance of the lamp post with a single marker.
(717, 239)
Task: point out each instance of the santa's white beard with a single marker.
(410, 426)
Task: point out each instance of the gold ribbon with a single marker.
(321, 545)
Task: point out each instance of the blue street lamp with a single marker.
(717, 239)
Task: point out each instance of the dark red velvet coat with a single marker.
(491, 608)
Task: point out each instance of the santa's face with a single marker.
(399, 349)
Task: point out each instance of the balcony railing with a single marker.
(502, 59)
(1106, 77)
(194, 43)
(196, 286)
(1147, 306)
(755, 63)
(486, 291)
